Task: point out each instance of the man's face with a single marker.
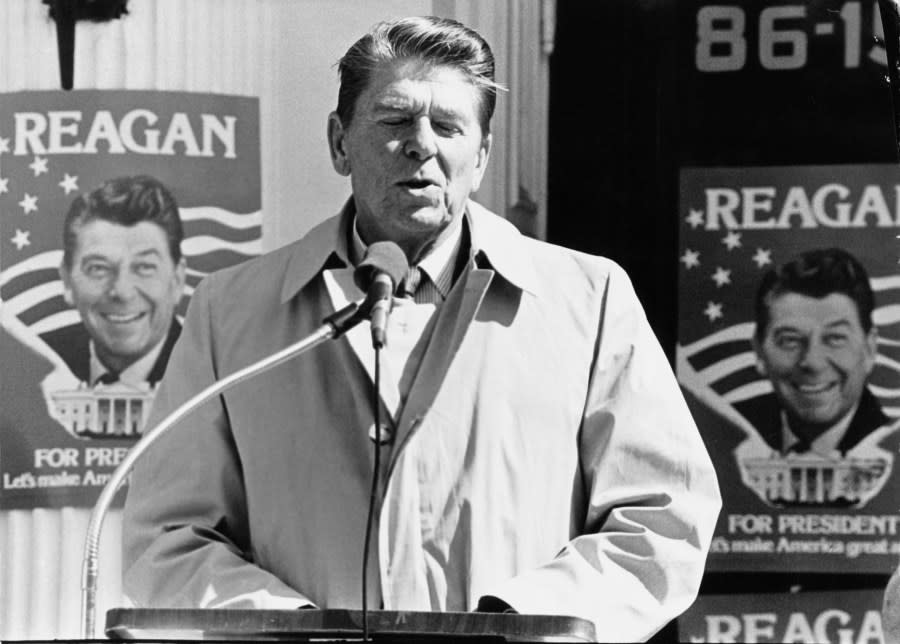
(816, 355)
(414, 152)
(125, 285)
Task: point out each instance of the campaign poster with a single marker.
(842, 617)
(113, 206)
(789, 356)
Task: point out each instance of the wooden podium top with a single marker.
(340, 624)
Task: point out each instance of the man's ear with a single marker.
(481, 161)
(871, 348)
(66, 278)
(337, 145)
(180, 275)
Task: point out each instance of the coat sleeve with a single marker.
(649, 491)
(186, 541)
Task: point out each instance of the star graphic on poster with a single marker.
(38, 166)
(732, 240)
(21, 239)
(721, 277)
(695, 218)
(4, 145)
(691, 258)
(713, 311)
(4, 186)
(763, 257)
(29, 203)
(69, 183)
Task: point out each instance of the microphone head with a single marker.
(381, 257)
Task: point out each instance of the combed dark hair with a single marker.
(817, 273)
(440, 41)
(126, 201)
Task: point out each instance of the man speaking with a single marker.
(538, 455)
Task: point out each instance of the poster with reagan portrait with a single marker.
(789, 355)
(113, 206)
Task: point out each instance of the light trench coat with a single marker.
(544, 455)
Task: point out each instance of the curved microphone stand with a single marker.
(334, 326)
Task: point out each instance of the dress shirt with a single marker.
(824, 445)
(410, 324)
(135, 374)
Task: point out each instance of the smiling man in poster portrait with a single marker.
(124, 272)
(816, 343)
(815, 438)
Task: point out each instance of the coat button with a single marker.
(387, 435)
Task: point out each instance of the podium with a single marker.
(342, 625)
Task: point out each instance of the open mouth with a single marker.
(417, 184)
(814, 389)
(123, 318)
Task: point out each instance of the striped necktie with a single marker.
(418, 286)
(410, 283)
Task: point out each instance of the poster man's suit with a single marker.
(72, 344)
(765, 414)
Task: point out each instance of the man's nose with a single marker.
(422, 142)
(815, 356)
(122, 285)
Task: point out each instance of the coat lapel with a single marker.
(454, 320)
(159, 367)
(492, 238)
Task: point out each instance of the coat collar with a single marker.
(494, 241)
(504, 247)
(324, 244)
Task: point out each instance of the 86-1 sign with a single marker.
(780, 37)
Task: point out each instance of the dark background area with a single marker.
(612, 185)
(628, 108)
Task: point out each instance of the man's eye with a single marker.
(787, 342)
(145, 269)
(96, 271)
(836, 340)
(446, 128)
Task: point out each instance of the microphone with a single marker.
(379, 274)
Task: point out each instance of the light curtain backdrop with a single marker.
(284, 52)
